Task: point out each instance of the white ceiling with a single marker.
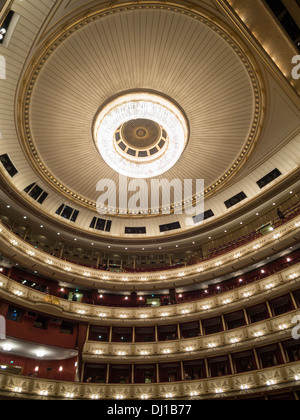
(157, 49)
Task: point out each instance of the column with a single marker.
(269, 309)
(256, 359)
(182, 370)
(98, 259)
(206, 368)
(110, 334)
(87, 332)
(82, 371)
(79, 377)
(231, 364)
(62, 250)
(246, 316)
(201, 327)
(25, 233)
(157, 373)
(178, 332)
(283, 353)
(293, 301)
(107, 373)
(223, 323)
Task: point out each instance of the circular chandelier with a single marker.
(141, 135)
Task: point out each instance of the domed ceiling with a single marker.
(181, 56)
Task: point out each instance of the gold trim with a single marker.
(145, 148)
(141, 160)
(5, 10)
(54, 40)
(282, 185)
(150, 158)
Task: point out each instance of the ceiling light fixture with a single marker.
(139, 106)
(40, 353)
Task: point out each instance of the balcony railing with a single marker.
(245, 384)
(238, 339)
(233, 299)
(100, 278)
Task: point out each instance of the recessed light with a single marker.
(41, 226)
(7, 347)
(25, 217)
(58, 233)
(8, 207)
(92, 243)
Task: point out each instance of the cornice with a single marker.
(280, 68)
(218, 222)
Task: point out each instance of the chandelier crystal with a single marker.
(139, 106)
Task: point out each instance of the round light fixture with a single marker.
(141, 135)
(7, 347)
(40, 353)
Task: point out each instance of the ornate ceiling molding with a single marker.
(93, 14)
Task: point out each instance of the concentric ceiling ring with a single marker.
(28, 135)
(136, 107)
(141, 138)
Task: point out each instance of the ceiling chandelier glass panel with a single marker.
(141, 135)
